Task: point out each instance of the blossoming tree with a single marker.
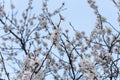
(34, 47)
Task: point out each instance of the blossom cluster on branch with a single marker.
(35, 47)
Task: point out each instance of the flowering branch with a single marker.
(7, 74)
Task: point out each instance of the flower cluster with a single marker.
(88, 68)
(56, 35)
(29, 66)
(50, 52)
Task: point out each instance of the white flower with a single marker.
(35, 60)
(56, 35)
(39, 76)
(88, 68)
(12, 6)
(43, 20)
(79, 34)
(108, 30)
(44, 5)
(26, 75)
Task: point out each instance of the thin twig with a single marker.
(7, 74)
